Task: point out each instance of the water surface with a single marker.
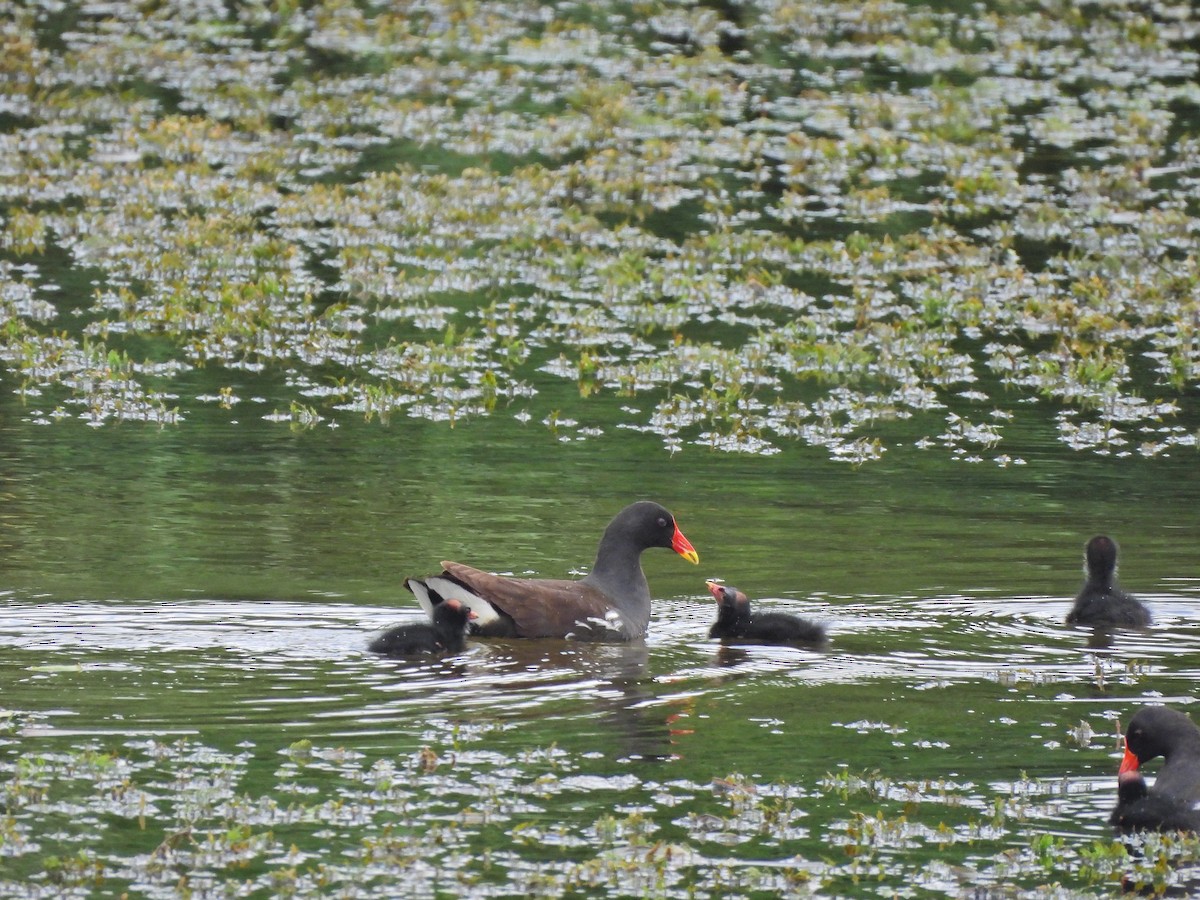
(894, 305)
(190, 612)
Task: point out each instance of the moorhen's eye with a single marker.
(662, 523)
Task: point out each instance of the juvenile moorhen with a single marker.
(446, 634)
(611, 603)
(1101, 601)
(737, 624)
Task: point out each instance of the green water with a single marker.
(893, 305)
(212, 590)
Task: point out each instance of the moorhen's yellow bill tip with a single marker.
(684, 548)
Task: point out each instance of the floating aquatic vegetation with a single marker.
(323, 818)
(897, 200)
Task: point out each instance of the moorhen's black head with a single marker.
(1131, 788)
(452, 614)
(726, 594)
(647, 524)
(1135, 811)
(1157, 731)
(1100, 557)
(732, 604)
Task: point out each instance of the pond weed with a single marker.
(229, 188)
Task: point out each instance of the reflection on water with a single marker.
(160, 589)
(306, 663)
(218, 580)
(983, 707)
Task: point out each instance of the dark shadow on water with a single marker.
(1100, 638)
(614, 663)
(610, 684)
(731, 656)
(1103, 637)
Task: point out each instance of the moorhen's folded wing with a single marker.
(612, 603)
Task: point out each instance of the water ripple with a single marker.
(297, 663)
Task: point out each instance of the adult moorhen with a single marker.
(611, 603)
(1171, 804)
(1101, 601)
(446, 634)
(737, 624)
